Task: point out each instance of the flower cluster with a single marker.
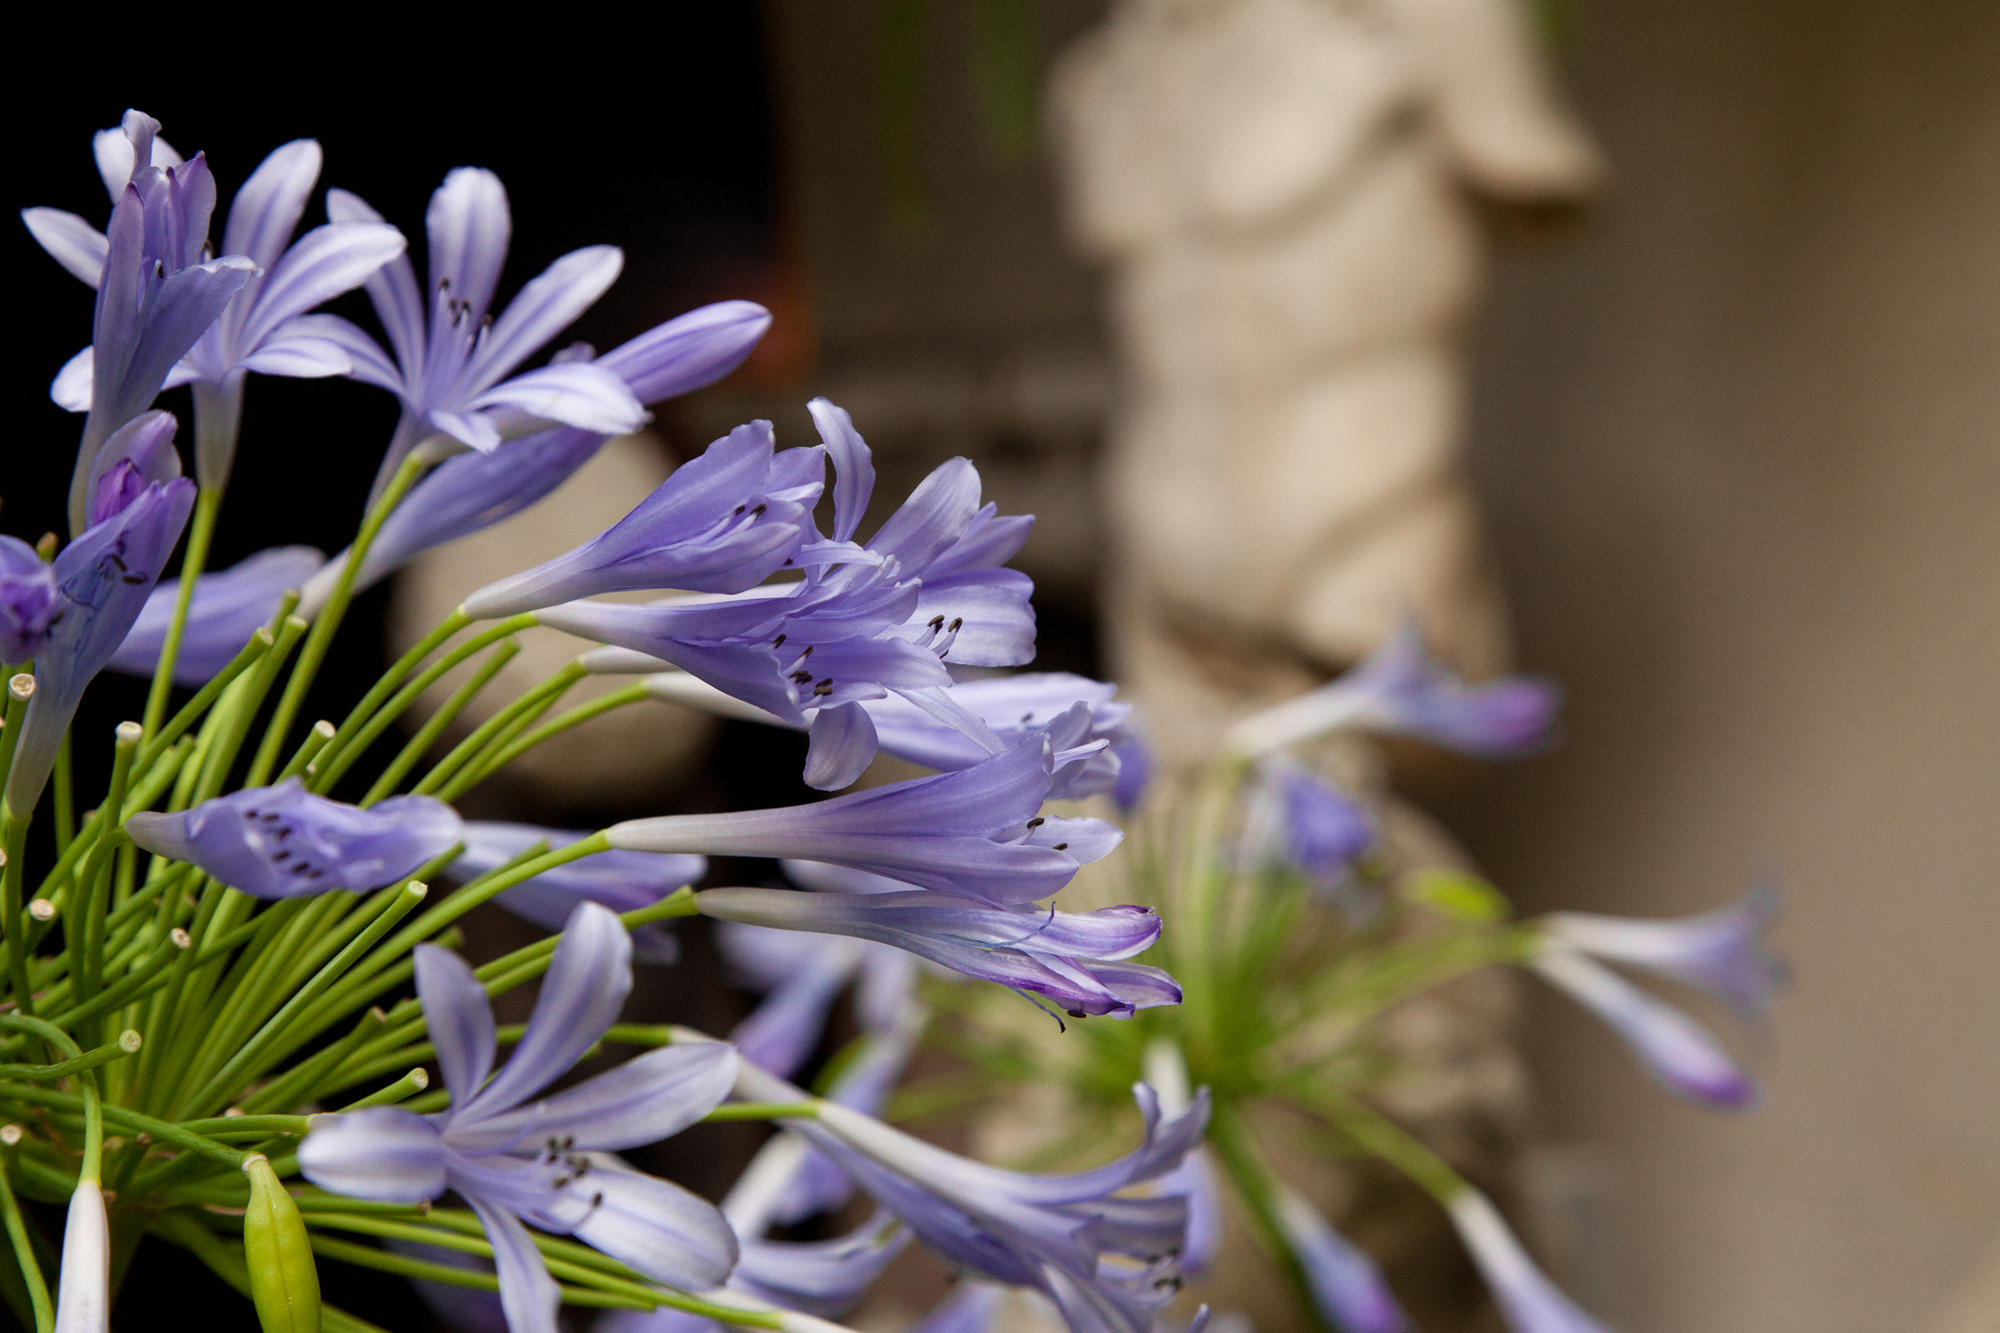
(241, 910)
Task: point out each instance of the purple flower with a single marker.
(1401, 691)
(285, 842)
(723, 522)
(621, 881)
(453, 367)
(974, 832)
(471, 491)
(227, 608)
(1347, 1287)
(157, 289)
(1720, 952)
(1105, 1258)
(1072, 960)
(1530, 1302)
(29, 601)
(1673, 1046)
(1297, 818)
(515, 1156)
(102, 580)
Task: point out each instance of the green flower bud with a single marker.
(284, 1283)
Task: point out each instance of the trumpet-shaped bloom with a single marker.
(1346, 1285)
(1720, 952)
(102, 581)
(256, 330)
(973, 833)
(285, 842)
(1530, 1302)
(471, 491)
(1673, 1046)
(1402, 692)
(1073, 960)
(621, 881)
(451, 366)
(227, 608)
(1107, 1259)
(516, 1156)
(723, 522)
(157, 289)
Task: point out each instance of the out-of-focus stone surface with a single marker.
(1283, 191)
(605, 762)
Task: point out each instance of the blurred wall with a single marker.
(1740, 448)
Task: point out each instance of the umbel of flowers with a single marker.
(228, 974)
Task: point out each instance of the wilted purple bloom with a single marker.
(1347, 1287)
(285, 842)
(453, 367)
(723, 522)
(227, 608)
(515, 1156)
(1105, 1258)
(1720, 952)
(102, 579)
(1071, 959)
(621, 881)
(1530, 1302)
(29, 601)
(1401, 691)
(974, 832)
(1673, 1046)
(157, 289)
(472, 491)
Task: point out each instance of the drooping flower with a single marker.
(285, 842)
(1104, 1257)
(515, 1156)
(973, 833)
(1530, 1302)
(1073, 960)
(157, 289)
(621, 881)
(1347, 1287)
(471, 491)
(450, 365)
(1720, 952)
(723, 522)
(257, 330)
(1402, 692)
(102, 580)
(228, 607)
(1672, 1046)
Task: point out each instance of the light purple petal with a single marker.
(970, 1308)
(297, 358)
(70, 241)
(657, 1228)
(71, 388)
(393, 288)
(469, 227)
(689, 351)
(843, 745)
(585, 987)
(648, 1098)
(228, 607)
(267, 208)
(324, 263)
(1531, 1303)
(369, 363)
(853, 466)
(383, 1153)
(459, 1018)
(527, 1293)
(1347, 1286)
(1673, 1046)
(571, 393)
(547, 305)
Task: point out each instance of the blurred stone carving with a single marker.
(1288, 195)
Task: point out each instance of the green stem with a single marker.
(201, 531)
(23, 1244)
(427, 735)
(1233, 1146)
(554, 727)
(13, 847)
(463, 756)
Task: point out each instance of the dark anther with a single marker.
(778, 642)
(1061, 847)
(1037, 822)
(1077, 1013)
(760, 511)
(957, 624)
(937, 622)
(807, 653)
(738, 510)
(821, 690)
(802, 677)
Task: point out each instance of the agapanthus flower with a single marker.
(1347, 1287)
(974, 833)
(157, 288)
(1104, 1257)
(228, 607)
(1401, 691)
(1676, 1049)
(29, 601)
(1720, 952)
(1073, 960)
(515, 1156)
(285, 842)
(800, 977)
(102, 580)
(724, 521)
(1297, 818)
(1530, 1302)
(453, 367)
(471, 491)
(621, 881)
